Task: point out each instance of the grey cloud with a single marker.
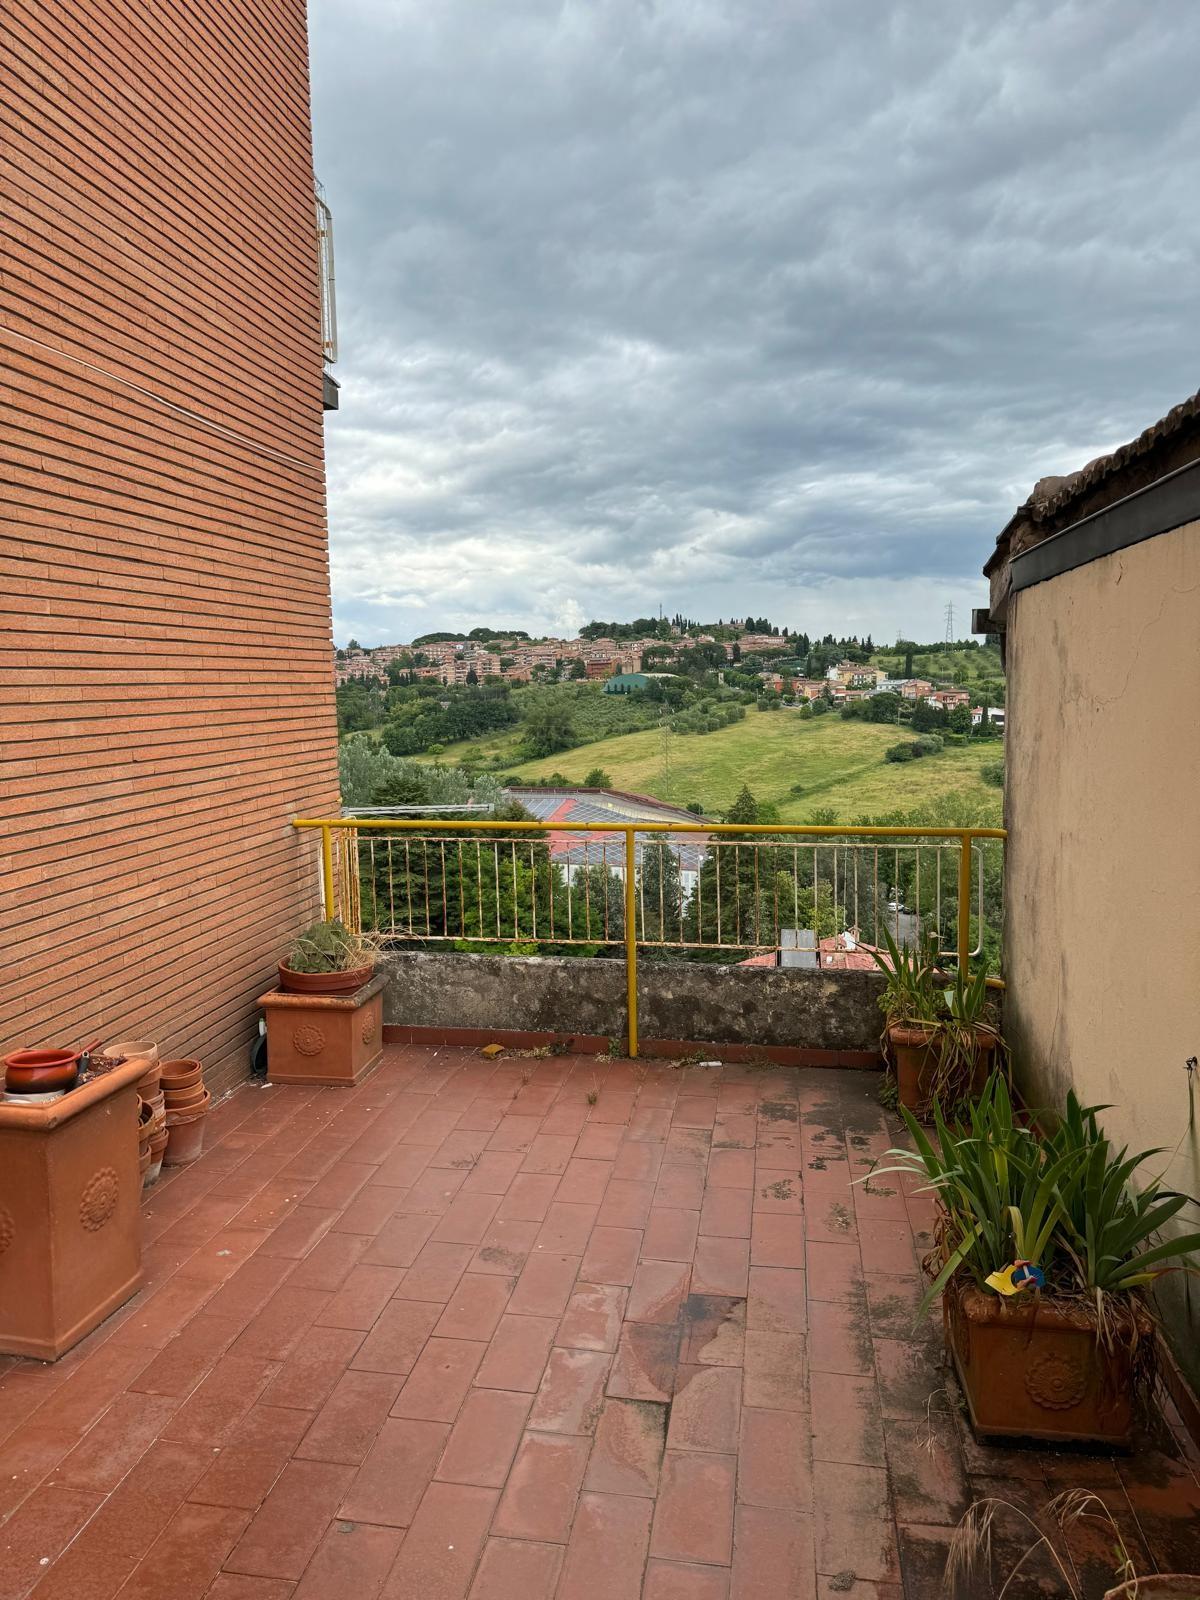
(737, 306)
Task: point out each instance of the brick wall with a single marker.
(164, 590)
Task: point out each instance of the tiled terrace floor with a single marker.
(464, 1332)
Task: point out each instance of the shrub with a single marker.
(993, 772)
(928, 744)
(901, 752)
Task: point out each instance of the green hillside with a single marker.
(833, 764)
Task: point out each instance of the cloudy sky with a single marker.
(738, 305)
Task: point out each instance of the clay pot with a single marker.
(184, 1099)
(144, 1161)
(133, 1049)
(180, 1074)
(150, 1084)
(915, 1050)
(323, 982)
(1033, 1368)
(185, 1134)
(41, 1071)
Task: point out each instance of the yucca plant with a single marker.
(1111, 1220)
(911, 994)
(331, 947)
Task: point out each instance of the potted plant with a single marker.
(969, 1039)
(912, 1006)
(1045, 1250)
(327, 959)
(325, 1021)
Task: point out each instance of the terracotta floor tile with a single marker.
(330, 1262)
(442, 1547)
(398, 1337)
(39, 1531)
(571, 1392)
(236, 1586)
(731, 1169)
(296, 1235)
(492, 1173)
(846, 1421)
(680, 1185)
(657, 1291)
(545, 1285)
(853, 1523)
(776, 1373)
(474, 1310)
(188, 1554)
(626, 1203)
(714, 1330)
(777, 1240)
(629, 1448)
(439, 1381)
(340, 1183)
(352, 1559)
(693, 1517)
(251, 1459)
(592, 1320)
(772, 1555)
(433, 1193)
(839, 1337)
(721, 1266)
(908, 1375)
(108, 1548)
(777, 1301)
(549, 1152)
(606, 1556)
(361, 1298)
(600, 1141)
(435, 1274)
(515, 1133)
(345, 1427)
(306, 1378)
(887, 1246)
(566, 1230)
(517, 1569)
(726, 1213)
(706, 1409)
(774, 1461)
(528, 1197)
(517, 1354)
(287, 1528)
(467, 1219)
(505, 1247)
(636, 1161)
(611, 1255)
(542, 1489)
(188, 1358)
(670, 1234)
(390, 1483)
(400, 1241)
(461, 1149)
(584, 1182)
(926, 1473)
(484, 1440)
(894, 1306)
(645, 1364)
(834, 1271)
(114, 1444)
(678, 1580)
(841, 1586)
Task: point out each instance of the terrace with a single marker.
(537, 1327)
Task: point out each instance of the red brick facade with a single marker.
(167, 692)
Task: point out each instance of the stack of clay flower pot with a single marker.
(145, 1122)
(149, 1094)
(186, 1102)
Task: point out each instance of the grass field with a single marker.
(836, 764)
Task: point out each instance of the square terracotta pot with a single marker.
(324, 1039)
(1035, 1369)
(70, 1223)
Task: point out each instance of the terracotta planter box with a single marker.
(1035, 1370)
(324, 1039)
(70, 1226)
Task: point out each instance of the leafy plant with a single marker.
(330, 947)
(911, 992)
(1111, 1224)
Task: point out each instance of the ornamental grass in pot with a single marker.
(327, 959)
(940, 1035)
(1046, 1245)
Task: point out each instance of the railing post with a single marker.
(327, 892)
(631, 940)
(964, 904)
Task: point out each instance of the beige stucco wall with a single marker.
(1102, 800)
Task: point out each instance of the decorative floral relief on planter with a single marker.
(99, 1199)
(8, 1229)
(309, 1041)
(368, 1028)
(1055, 1382)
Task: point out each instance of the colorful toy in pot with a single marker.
(1015, 1278)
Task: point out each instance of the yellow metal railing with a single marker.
(457, 899)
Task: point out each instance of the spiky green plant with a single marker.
(911, 994)
(331, 947)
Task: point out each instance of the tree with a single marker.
(907, 647)
(597, 778)
(960, 719)
(472, 676)
(578, 668)
(548, 728)
(661, 894)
